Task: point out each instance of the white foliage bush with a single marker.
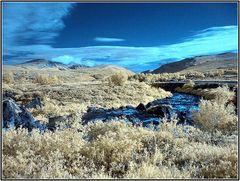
(116, 150)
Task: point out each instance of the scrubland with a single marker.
(221, 93)
(116, 149)
(221, 74)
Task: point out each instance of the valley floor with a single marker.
(114, 149)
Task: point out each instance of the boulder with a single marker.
(182, 117)
(141, 107)
(160, 111)
(94, 113)
(17, 116)
(34, 103)
(53, 121)
(8, 93)
(11, 113)
(150, 104)
(129, 107)
(149, 122)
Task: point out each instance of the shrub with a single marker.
(115, 149)
(8, 78)
(210, 161)
(52, 108)
(189, 85)
(139, 77)
(46, 79)
(151, 78)
(194, 75)
(219, 73)
(222, 94)
(231, 72)
(215, 73)
(216, 116)
(148, 171)
(117, 79)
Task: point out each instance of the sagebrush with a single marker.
(117, 149)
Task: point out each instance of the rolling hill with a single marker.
(204, 63)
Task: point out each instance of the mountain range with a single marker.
(42, 63)
(204, 63)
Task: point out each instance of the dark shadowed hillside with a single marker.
(201, 63)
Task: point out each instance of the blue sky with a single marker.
(138, 36)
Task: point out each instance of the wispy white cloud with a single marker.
(38, 23)
(28, 28)
(105, 39)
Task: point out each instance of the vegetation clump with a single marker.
(46, 79)
(219, 113)
(117, 79)
(221, 94)
(117, 149)
(151, 78)
(8, 78)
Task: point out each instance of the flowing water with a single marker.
(181, 102)
(181, 105)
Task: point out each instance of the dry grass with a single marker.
(221, 74)
(116, 150)
(99, 94)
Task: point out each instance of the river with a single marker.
(180, 106)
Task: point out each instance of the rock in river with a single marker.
(141, 107)
(161, 111)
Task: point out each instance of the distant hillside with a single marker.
(111, 69)
(104, 70)
(201, 63)
(71, 74)
(42, 63)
